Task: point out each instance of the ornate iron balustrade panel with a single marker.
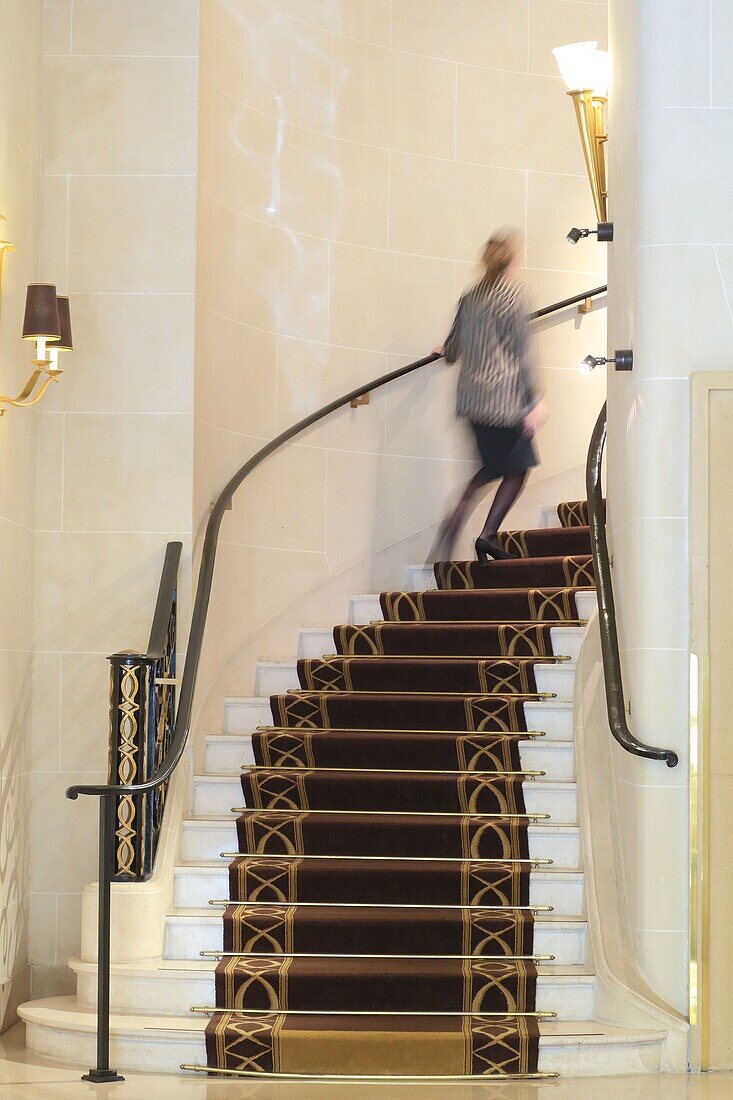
(142, 718)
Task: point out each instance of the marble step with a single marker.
(549, 516)
(60, 1029)
(195, 884)
(421, 578)
(169, 987)
(365, 609)
(277, 677)
(206, 837)
(187, 935)
(215, 794)
(243, 714)
(314, 641)
(227, 752)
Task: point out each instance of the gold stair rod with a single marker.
(210, 1010)
(363, 955)
(225, 903)
(395, 813)
(524, 735)
(253, 1074)
(404, 859)
(383, 771)
(337, 692)
(329, 657)
(470, 622)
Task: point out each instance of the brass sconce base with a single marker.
(589, 116)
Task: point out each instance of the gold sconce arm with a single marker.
(24, 398)
(589, 116)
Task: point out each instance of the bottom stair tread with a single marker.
(62, 1029)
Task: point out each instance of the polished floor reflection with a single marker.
(23, 1079)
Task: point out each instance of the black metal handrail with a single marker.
(108, 792)
(556, 307)
(606, 606)
(164, 602)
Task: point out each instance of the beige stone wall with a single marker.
(20, 98)
(115, 438)
(354, 154)
(670, 298)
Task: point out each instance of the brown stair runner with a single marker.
(546, 542)
(390, 710)
(401, 1046)
(328, 789)
(571, 571)
(423, 674)
(379, 930)
(574, 513)
(379, 919)
(313, 832)
(412, 882)
(451, 639)
(481, 605)
(388, 749)
(382, 985)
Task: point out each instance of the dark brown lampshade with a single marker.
(65, 343)
(41, 319)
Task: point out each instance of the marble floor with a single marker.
(24, 1079)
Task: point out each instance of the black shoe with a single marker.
(486, 549)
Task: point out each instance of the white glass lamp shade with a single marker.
(602, 65)
(583, 67)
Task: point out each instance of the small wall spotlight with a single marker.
(604, 232)
(589, 364)
(623, 360)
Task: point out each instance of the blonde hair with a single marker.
(499, 251)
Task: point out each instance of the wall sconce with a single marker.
(585, 70)
(47, 322)
(624, 360)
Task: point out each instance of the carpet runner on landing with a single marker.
(380, 919)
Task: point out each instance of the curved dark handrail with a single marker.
(163, 603)
(576, 298)
(208, 558)
(607, 608)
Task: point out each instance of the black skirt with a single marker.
(504, 451)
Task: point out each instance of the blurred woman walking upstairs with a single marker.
(496, 390)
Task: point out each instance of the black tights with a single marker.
(509, 489)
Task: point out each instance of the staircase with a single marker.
(405, 845)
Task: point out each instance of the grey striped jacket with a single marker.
(490, 335)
